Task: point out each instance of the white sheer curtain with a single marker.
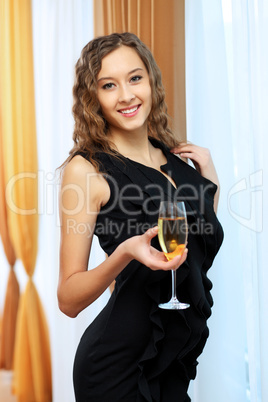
(227, 102)
(60, 29)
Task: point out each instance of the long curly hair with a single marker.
(90, 129)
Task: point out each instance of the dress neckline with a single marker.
(163, 168)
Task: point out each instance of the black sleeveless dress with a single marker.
(134, 351)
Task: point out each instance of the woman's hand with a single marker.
(203, 163)
(200, 157)
(139, 248)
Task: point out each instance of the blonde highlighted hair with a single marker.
(90, 129)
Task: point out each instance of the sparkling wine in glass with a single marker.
(172, 234)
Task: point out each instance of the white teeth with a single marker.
(129, 110)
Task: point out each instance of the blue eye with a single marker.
(109, 85)
(136, 78)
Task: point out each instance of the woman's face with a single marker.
(124, 91)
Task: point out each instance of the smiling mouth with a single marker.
(129, 111)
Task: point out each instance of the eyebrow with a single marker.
(131, 72)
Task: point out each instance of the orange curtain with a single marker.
(8, 326)
(161, 25)
(32, 364)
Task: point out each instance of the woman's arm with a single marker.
(83, 192)
(203, 163)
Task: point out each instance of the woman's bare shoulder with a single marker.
(78, 165)
(80, 173)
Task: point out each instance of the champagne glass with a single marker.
(172, 235)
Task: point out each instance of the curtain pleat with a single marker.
(32, 365)
(4, 232)
(32, 376)
(8, 327)
(132, 17)
(9, 321)
(160, 24)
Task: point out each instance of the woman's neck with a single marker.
(133, 145)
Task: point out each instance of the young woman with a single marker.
(118, 171)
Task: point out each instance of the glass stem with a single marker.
(173, 276)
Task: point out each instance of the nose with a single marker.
(126, 95)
